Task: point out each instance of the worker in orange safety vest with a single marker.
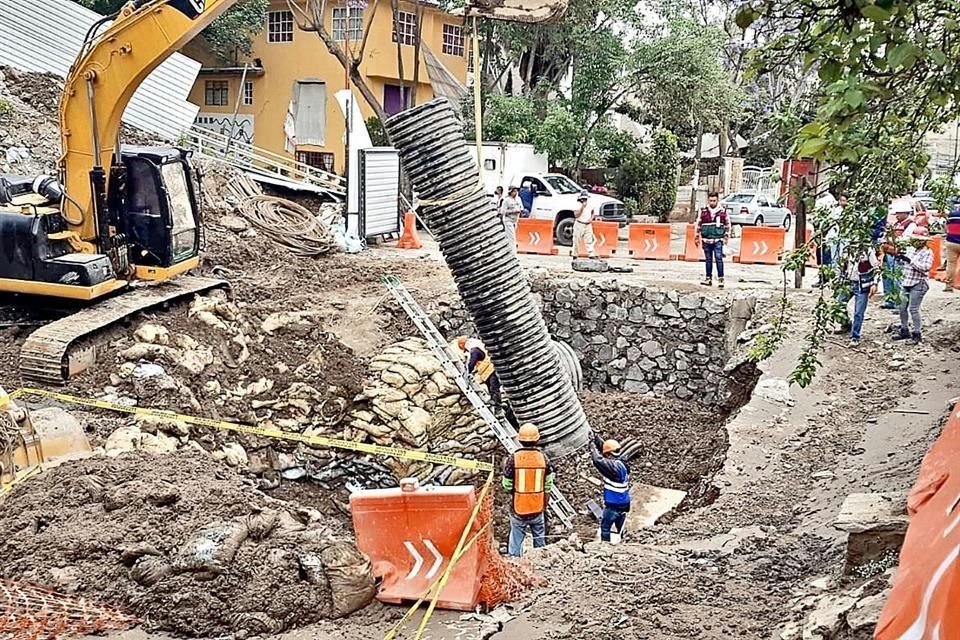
(529, 476)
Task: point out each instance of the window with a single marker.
(453, 40)
(317, 159)
(470, 61)
(395, 100)
(405, 28)
(280, 26)
(489, 164)
(340, 15)
(248, 93)
(216, 92)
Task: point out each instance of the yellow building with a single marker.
(291, 77)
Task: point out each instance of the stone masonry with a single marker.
(633, 338)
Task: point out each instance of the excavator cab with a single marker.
(155, 205)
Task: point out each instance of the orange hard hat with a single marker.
(610, 446)
(528, 433)
(462, 342)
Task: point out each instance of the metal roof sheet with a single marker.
(46, 35)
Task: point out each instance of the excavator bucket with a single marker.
(531, 11)
(25, 444)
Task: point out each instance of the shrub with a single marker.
(650, 177)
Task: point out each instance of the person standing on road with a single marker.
(952, 246)
(616, 485)
(583, 227)
(712, 231)
(498, 198)
(528, 475)
(510, 211)
(917, 260)
(904, 225)
(862, 276)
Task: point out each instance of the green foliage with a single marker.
(230, 36)
(943, 189)
(649, 177)
(6, 107)
(378, 135)
(508, 119)
(886, 77)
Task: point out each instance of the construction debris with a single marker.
(158, 532)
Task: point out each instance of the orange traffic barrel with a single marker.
(409, 533)
(409, 239)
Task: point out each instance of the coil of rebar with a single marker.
(487, 273)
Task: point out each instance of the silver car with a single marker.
(754, 209)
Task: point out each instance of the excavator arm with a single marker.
(100, 85)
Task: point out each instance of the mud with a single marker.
(95, 527)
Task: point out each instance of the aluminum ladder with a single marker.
(505, 433)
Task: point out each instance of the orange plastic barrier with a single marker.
(761, 245)
(649, 241)
(923, 602)
(410, 533)
(409, 239)
(535, 236)
(691, 252)
(607, 238)
(936, 245)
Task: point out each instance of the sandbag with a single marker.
(211, 549)
(350, 575)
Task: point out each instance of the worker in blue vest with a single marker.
(616, 485)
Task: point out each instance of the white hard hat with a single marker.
(901, 206)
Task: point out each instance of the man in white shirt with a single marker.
(583, 227)
(511, 209)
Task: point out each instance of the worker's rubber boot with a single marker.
(903, 335)
(915, 338)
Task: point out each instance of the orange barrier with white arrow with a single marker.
(606, 236)
(761, 245)
(410, 534)
(535, 236)
(649, 241)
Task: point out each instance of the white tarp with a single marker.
(46, 36)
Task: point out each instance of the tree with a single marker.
(650, 177)
(309, 17)
(887, 76)
(230, 36)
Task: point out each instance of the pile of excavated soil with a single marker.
(128, 531)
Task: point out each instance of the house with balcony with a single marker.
(281, 98)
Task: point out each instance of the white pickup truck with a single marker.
(556, 199)
(555, 194)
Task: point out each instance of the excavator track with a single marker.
(50, 355)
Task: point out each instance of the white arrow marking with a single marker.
(534, 237)
(603, 241)
(760, 246)
(764, 245)
(650, 245)
(418, 559)
(438, 559)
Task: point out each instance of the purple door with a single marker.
(393, 101)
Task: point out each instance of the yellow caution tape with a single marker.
(320, 441)
(29, 473)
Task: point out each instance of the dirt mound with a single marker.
(183, 543)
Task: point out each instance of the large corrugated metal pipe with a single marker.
(474, 243)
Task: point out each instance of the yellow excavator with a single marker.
(118, 224)
(115, 216)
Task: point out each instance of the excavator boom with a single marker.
(100, 85)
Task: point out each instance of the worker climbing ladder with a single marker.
(505, 433)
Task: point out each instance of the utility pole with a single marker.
(800, 229)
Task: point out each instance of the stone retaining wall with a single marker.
(633, 338)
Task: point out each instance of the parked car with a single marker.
(754, 209)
